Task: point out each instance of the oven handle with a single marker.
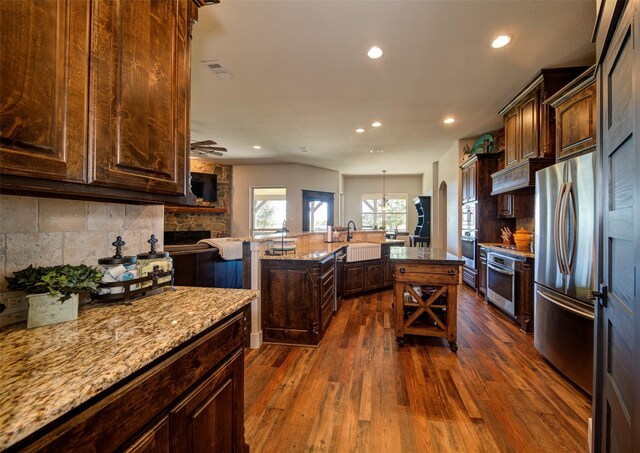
(564, 306)
(498, 269)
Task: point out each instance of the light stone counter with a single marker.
(47, 371)
(317, 251)
(507, 251)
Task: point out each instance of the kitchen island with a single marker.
(299, 293)
(425, 293)
(134, 377)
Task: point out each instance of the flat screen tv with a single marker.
(205, 186)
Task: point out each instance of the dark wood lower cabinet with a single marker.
(297, 299)
(352, 281)
(362, 276)
(189, 401)
(210, 417)
(155, 440)
(524, 294)
(482, 271)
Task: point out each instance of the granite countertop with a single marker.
(313, 252)
(427, 255)
(47, 371)
(498, 248)
(319, 251)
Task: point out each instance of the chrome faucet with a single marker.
(349, 236)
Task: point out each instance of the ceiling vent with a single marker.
(218, 69)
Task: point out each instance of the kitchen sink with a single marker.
(363, 251)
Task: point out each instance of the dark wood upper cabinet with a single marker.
(43, 94)
(140, 85)
(511, 130)
(575, 107)
(530, 129)
(95, 102)
(528, 112)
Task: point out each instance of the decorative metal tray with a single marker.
(135, 288)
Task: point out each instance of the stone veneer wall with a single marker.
(218, 223)
(48, 232)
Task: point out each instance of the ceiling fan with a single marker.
(206, 147)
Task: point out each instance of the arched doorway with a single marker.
(442, 216)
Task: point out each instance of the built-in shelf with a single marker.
(195, 209)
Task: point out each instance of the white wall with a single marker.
(449, 171)
(356, 186)
(294, 177)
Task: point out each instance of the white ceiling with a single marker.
(302, 76)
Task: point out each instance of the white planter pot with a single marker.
(45, 310)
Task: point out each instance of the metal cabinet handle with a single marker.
(497, 269)
(451, 272)
(556, 229)
(402, 271)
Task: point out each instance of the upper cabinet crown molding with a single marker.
(99, 107)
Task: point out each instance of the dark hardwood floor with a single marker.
(359, 392)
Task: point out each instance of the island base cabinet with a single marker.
(297, 299)
(191, 400)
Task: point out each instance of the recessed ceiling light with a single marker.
(449, 120)
(257, 147)
(376, 124)
(374, 52)
(376, 151)
(501, 41)
(359, 130)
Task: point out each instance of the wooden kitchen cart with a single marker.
(425, 293)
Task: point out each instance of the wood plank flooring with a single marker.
(360, 392)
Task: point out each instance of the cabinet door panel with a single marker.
(511, 137)
(528, 129)
(139, 91)
(374, 274)
(576, 123)
(43, 93)
(472, 191)
(210, 418)
(353, 278)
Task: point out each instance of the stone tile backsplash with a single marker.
(47, 232)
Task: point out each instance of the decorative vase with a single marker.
(522, 238)
(45, 310)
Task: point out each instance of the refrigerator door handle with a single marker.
(569, 252)
(565, 306)
(556, 229)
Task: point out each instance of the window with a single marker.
(393, 216)
(269, 208)
(317, 210)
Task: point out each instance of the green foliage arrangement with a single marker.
(63, 280)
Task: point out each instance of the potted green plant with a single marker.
(53, 291)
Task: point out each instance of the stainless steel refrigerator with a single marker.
(565, 267)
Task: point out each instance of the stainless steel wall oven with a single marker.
(469, 248)
(501, 281)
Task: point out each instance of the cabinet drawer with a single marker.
(470, 277)
(326, 265)
(419, 273)
(113, 420)
(327, 284)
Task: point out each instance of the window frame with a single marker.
(383, 213)
(252, 213)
